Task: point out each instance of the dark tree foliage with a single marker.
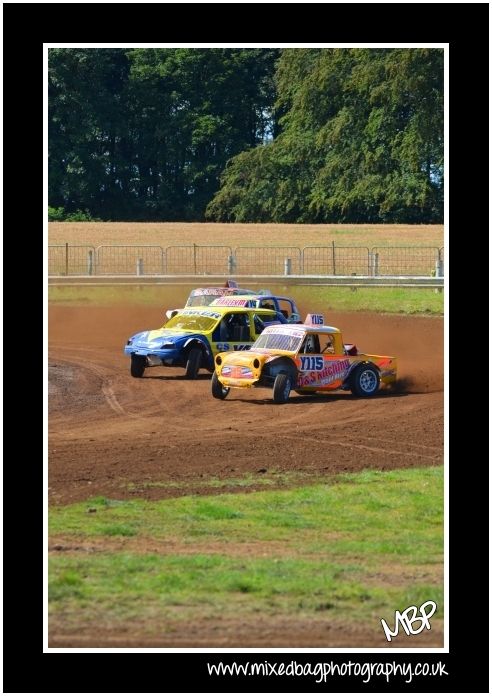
(361, 140)
(143, 134)
(308, 135)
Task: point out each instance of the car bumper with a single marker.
(166, 356)
(388, 377)
(240, 383)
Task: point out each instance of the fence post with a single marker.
(140, 268)
(90, 262)
(194, 257)
(287, 266)
(333, 257)
(231, 264)
(439, 272)
(66, 258)
(373, 263)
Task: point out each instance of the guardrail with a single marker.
(246, 261)
(251, 280)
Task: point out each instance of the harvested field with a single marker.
(231, 234)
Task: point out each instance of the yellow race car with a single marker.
(195, 335)
(306, 358)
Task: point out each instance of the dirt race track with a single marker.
(112, 435)
(163, 436)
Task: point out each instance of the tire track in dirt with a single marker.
(353, 445)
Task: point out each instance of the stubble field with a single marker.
(171, 233)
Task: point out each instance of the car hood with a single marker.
(244, 357)
(157, 337)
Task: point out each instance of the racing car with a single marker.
(201, 297)
(306, 358)
(195, 335)
(265, 300)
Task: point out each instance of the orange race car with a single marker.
(306, 358)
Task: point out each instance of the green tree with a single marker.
(200, 108)
(360, 140)
(145, 133)
(88, 130)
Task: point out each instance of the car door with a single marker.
(319, 367)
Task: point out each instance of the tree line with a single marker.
(246, 135)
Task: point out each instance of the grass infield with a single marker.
(355, 548)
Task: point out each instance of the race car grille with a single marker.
(237, 372)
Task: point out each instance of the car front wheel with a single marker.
(281, 388)
(218, 389)
(193, 363)
(137, 365)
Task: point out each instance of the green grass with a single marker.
(408, 497)
(108, 295)
(359, 547)
(132, 586)
(380, 300)
(393, 300)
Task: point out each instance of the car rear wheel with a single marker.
(137, 365)
(364, 380)
(281, 388)
(218, 389)
(193, 363)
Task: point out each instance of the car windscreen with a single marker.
(278, 341)
(202, 300)
(192, 322)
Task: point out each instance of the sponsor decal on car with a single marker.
(331, 372)
(237, 372)
(284, 329)
(201, 313)
(209, 291)
(233, 302)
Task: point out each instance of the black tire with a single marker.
(218, 389)
(193, 363)
(137, 365)
(364, 380)
(282, 387)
